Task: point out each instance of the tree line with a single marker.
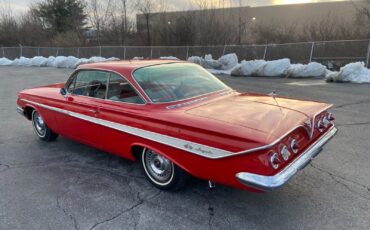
(113, 22)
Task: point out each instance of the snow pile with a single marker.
(69, 62)
(313, 69)
(138, 58)
(353, 72)
(228, 65)
(5, 62)
(39, 61)
(58, 62)
(169, 58)
(249, 68)
(275, 68)
(22, 61)
(226, 62)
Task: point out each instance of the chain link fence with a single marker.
(333, 54)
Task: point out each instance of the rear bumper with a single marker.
(269, 183)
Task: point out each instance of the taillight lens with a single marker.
(284, 152)
(294, 146)
(274, 160)
(320, 125)
(331, 117)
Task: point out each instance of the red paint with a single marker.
(233, 122)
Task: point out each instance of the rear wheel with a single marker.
(162, 172)
(41, 129)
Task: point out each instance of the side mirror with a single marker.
(63, 91)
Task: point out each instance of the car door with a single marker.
(122, 107)
(86, 90)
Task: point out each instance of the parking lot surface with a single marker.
(67, 185)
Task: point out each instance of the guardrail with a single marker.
(331, 53)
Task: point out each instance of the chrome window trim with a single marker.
(132, 86)
(105, 99)
(228, 88)
(192, 147)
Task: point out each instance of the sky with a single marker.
(19, 6)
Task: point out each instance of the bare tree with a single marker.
(146, 8)
(100, 12)
(8, 25)
(363, 8)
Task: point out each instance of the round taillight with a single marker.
(274, 160)
(284, 152)
(326, 121)
(331, 117)
(294, 146)
(320, 125)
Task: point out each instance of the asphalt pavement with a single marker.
(67, 185)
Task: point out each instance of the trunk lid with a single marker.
(272, 116)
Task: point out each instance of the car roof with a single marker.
(125, 66)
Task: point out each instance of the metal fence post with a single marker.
(3, 51)
(151, 52)
(265, 53)
(312, 49)
(38, 51)
(20, 51)
(187, 52)
(368, 56)
(223, 52)
(78, 52)
(124, 53)
(100, 51)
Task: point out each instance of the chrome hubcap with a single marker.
(158, 167)
(39, 124)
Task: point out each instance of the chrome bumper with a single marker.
(269, 183)
(20, 110)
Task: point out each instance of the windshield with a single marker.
(176, 81)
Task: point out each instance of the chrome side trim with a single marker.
(188, 146)
(196, 148)
(269, 183)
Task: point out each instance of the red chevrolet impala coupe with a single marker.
(179, 120)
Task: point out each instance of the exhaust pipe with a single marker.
(211, 184)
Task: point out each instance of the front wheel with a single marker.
(41, 129)
(162, 172)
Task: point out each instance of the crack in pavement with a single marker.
(211, 209)
(66, 213)
(7, 167)
(140, 202)
(335, 178)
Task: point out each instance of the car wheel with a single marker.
(41, 129)
(162, 172)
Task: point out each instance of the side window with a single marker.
(91, 84)
(120, 90)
